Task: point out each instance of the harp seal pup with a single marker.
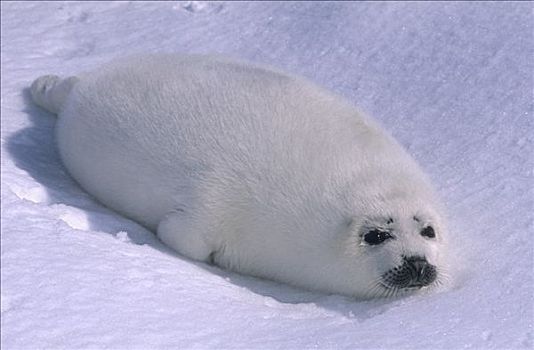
(252, 169)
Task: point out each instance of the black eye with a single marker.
(376, 237)
(428, 232)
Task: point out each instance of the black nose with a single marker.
(414, 272)
(421, 272)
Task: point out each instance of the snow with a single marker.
(452, 81)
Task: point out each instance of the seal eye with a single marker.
(428, 232)
(375, 237)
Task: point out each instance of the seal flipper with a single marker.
(176, 232)
(50, 91)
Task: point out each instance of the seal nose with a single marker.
(421, 272)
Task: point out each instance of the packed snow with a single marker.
(452, 81)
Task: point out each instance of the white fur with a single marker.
(261, 172)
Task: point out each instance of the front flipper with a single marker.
(176, 231)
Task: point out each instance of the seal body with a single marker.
(252, 169)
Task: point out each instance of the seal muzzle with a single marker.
(414, 272)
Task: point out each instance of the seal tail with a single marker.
(50, 91)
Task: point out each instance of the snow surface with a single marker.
(452, 81)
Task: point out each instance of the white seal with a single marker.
(252, 169)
